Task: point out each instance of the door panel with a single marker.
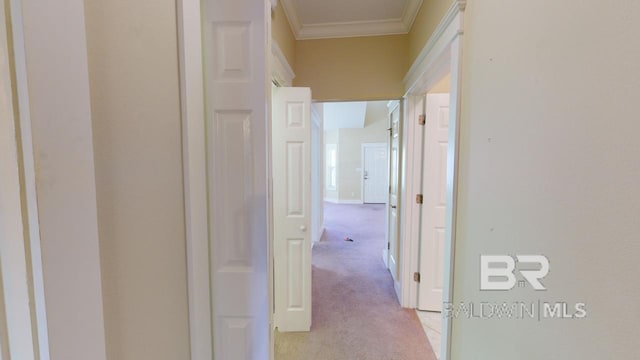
(394, 180)
(236, 87)
(434, 205)
(375, 174)
(291, 143)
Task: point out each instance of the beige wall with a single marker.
(133, 64)
(361, 68)
(282, 34)
(350, 151)
(549, 165)
(425, 23)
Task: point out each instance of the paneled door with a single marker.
(375, 173)
(394, 181)
(291, 143)
(237, 113)
(434, 187)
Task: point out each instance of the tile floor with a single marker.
(432, 324)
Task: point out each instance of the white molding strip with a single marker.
(20, 66)
(195, 178)
(442, 36)
(281, 71)
(292, 15)
(353, 28)
(410, 12)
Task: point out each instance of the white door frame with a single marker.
(441, 55)
(194, 173)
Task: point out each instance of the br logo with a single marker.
(498, 272)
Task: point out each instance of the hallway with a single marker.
(356, 315)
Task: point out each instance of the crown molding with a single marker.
(449, 28)
(281, 71)
(351, 29)
(410, 12)
(292, 15)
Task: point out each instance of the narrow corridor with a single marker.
(356, 315)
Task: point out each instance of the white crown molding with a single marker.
(450, 26)
(292, 15)
(281, 71)
(410, 12)
(351, 29)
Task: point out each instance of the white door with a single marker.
(375, 173)
(394, 180)
(434, 203)
(291, 143)
(237, 116)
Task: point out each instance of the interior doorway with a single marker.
(236, 252)
(433, 224)
(351, 282)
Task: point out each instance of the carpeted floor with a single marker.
(356, 315)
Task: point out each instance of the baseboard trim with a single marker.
(339, 201)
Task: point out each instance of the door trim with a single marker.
(194, 157)
(191, 71)
(441, 55)
(364, 146)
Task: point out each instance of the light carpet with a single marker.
(355, 312)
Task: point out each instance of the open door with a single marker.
(393, 249)
(291, 143)
(433, 207)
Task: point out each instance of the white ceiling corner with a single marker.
(349, 18)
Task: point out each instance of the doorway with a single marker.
(236, 105)
(351, 283)
(374, 173)
(432, 231)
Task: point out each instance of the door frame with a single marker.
(191, 71)
(364, 146)
(442, 54)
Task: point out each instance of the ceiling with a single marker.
(341, 115)
(320, 19)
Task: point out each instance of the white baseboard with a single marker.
(318, 237)
(339, 201)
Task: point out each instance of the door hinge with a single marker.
(416, 277)
(419, 199)
(388, 246)
(422, 119)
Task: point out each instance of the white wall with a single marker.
(549, 164)
(60, 114)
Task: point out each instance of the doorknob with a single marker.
(303, 228)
